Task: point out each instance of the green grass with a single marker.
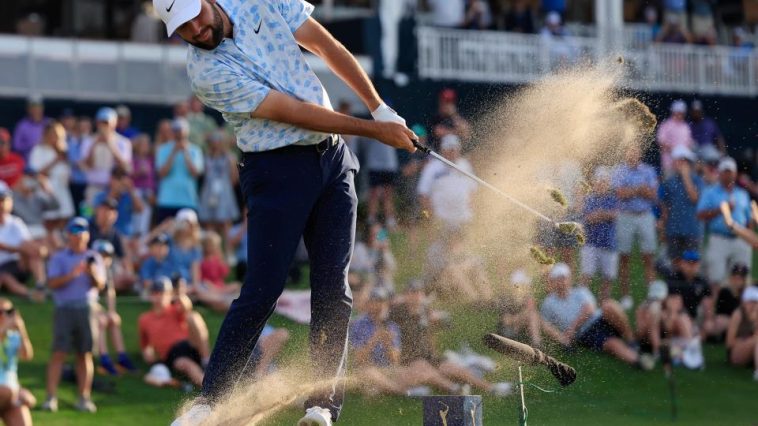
(606, 391)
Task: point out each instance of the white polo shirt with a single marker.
(237, 75)
(13, 232)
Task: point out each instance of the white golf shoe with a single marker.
(195, 416)
(316, 416)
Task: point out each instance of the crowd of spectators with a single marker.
(93, 207)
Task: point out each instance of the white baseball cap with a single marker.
(450, 142)
(174, 13)
(160, 374)
(560, 270)
(679, 106)
(750, 294)
(682, 152)
(186, 215)
(658, 290)
(727, 163)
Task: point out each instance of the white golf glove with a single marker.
(385, 113)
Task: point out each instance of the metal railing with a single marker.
(499, 57)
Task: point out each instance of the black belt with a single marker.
(320, 148)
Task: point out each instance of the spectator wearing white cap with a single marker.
(704, 129)
(724, 247)
(673, 132)
(444, 192)
(679, 195)
(742, 334)
(572, 317)
(103, 152)
(519, 318)
(179, 164)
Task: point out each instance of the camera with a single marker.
(91, 259)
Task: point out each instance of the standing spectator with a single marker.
(448, 121)
(724, 248)
(704, 129)
(172, 333)
(19, 253)
(478, 15)
(75, 141)
(163, 132)
(49, 159)
(679, 197)
(636, 186)
(16, 401)
(519, 18)
(727, 301)
(128, 202)
(179, 164)
(218, 205)
(447, 13)
(382, 165)
(555, 35)
(124, 122)
(28, 131)
(11, 164)
(103, 152)
(444, 192)
(76, 275)
(144, 180)
(599, 217)
(147, 27)
(653, 27)
(201, 125)
(742, 334)
(673, 132)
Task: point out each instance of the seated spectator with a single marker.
(103, 152)
(75, 276)
(454, 274)
(179, 163)
(29, 130)
(723, 248)
(664, 322)
(672, 133)
(687, 284)
(32, 197)
(128, 202)
(185, 247)
(269, 345)
(727, 301)
(20, 255)
(599, 217)
(213, 290)
(157, 264)
(15, 401)
(702, 18)
(679, 197)
(573, 318)
(108, 319)
(417, 322)
(376, 343)
(144, 180)
(742, 333)
(519, 319)
(218, 206)
(11, 164)
(49, 159)
(172, 333)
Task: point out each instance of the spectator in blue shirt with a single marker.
(128, 201)
(599, 216)
(157, 264)
(636, 186)
(179, 164)
(724, 248)
(679, 197)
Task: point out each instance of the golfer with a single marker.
(296, 173)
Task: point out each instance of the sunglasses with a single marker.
(9, 311)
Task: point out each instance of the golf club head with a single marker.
(565, 374)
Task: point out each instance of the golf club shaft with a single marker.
(482, 182)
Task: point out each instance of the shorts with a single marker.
(75, 328)
(630, 226)
(721, 253)
(13, 268)
(678, 244)
(600, 259)
(382, 178)
(597, 334)
(182, 349)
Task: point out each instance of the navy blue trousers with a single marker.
(292, 192)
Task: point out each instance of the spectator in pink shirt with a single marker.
(673, 132)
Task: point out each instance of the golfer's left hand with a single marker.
(385, 113)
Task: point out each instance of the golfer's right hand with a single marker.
(396, 135)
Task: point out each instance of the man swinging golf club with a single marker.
(296, 173)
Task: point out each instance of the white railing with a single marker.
(499, 57)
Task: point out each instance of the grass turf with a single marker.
(606, 390)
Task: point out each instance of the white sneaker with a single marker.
(195, 416)
(626, 303)
(502, 389)
(316, 416)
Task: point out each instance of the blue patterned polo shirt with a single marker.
(263, 54)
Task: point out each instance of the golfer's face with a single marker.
(206, 29)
